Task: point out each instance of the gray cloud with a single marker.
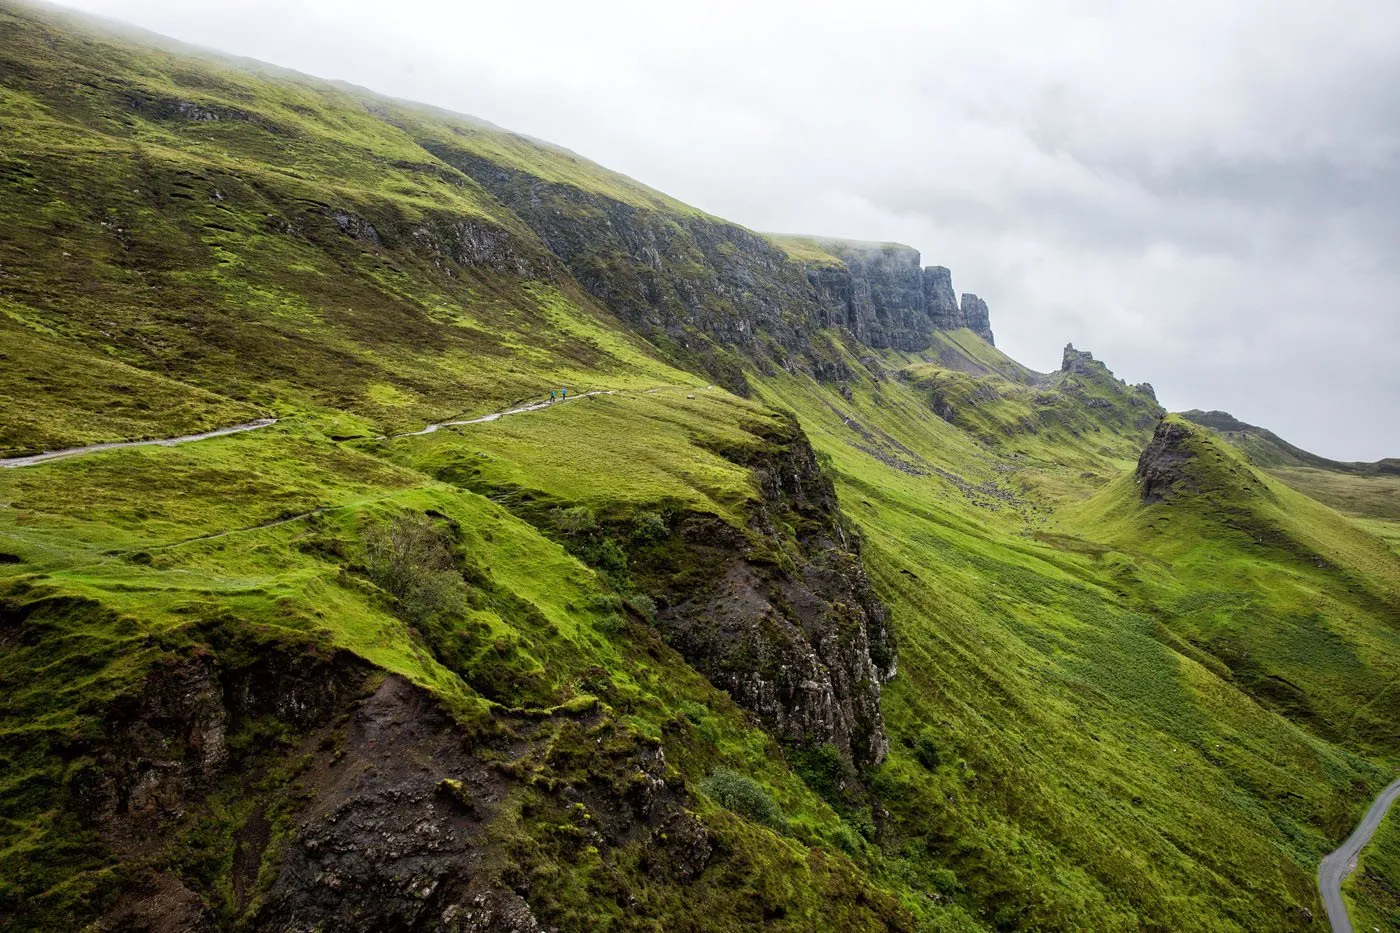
(1202, 193)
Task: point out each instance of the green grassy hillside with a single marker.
(1363, 490)
(314, 671)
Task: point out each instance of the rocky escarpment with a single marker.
(353, 801)
(704, 287)
(1162, 472)
(882, 297)
(783, 618)
(1089, 382)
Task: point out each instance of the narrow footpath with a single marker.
(45, 457)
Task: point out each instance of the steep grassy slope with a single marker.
(255, 240)
(1092, 764)
(473, 676)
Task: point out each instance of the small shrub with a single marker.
(410, 559)
(607, 555)
(648, 528)
(826, 772)
(848, 840)
(578, 520)
(926, 749)
(944, 881)
(744, 796)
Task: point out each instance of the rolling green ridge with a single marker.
(1362, 490)
(1120, 671)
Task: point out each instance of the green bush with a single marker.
(607, 555)
(410, 559)
(848, 840)
(826, 772)
(926, 749)
(744, 796)
(578, 520)
(944, 881)
(648, 528)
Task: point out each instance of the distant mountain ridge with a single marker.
(1267, 449)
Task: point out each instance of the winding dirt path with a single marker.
(162, 442)
(496, 416)
(1335, 866)
(45, 457)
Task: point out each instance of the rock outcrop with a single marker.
(373, 812)
(783, 618)
(976, 318)
(1161, 470)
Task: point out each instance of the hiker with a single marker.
(552, 393)
(563, 394)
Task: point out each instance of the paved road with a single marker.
(163, 442)
(1337, 865)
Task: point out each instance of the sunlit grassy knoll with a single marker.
(608, 452)
(1297, 600)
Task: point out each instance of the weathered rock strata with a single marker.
(784, 619)
(704, 286)
(1161, 470)
(386, 806)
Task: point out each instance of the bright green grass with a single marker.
(1096, 764)
(1107, 716)
(207, 254)
(148, 548)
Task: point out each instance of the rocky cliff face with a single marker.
(377, 812)
(704, 287)
(976, 318)
(1162, 469)
(791, 628)
(780, 615)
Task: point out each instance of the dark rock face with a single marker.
(877, 296)
(391, 804)
(1161, 470)
(707, 287)
(789, 626)
(976, 317)
(1081, 362)
(940, 299)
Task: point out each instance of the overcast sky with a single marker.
(1205, 193)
